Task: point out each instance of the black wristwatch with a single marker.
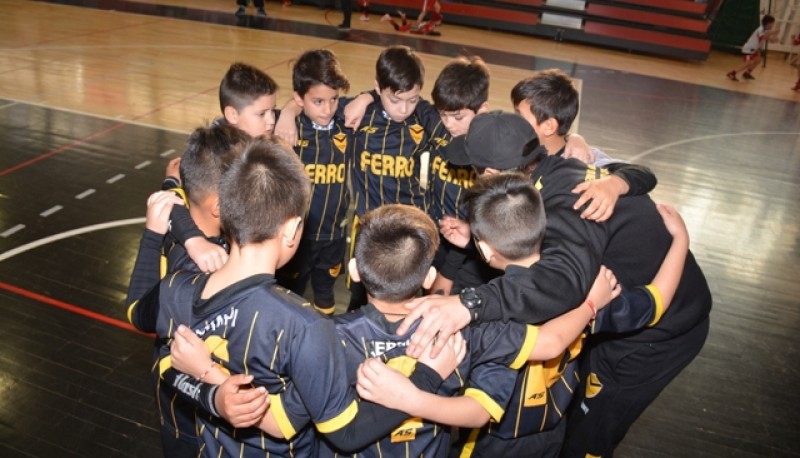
(471, 301)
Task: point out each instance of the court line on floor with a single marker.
(646, 153)
(55, 302)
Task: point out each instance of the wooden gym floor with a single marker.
(96, 97)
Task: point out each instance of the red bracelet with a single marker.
(592, 308)
(200, 379)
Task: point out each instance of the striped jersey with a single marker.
(447, 183)
(544, 389)
(323, 151)
(255, 327)
(386, 158)
(487, 374)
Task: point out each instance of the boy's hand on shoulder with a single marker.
(239, 403)
(673, 221)
(452, 354)
(578, 148)
(604, 290)
(159, 206)
(379, 383)
(208, 256)
(355, 110)
(441, 315)
(285, 128)
(602, 196)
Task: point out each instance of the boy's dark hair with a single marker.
(506, 211)
(767, 19)
(208, 154)
(318, 66)
(463, 83)
(265, 186)
(242, 85)
(394, 250)
(551, 94)
(399, 69)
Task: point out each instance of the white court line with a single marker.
(50, 211)
(705, 137)
(142, 165)
(84, 194)
(168, 152)
(115, 178)
(63, 235)
(13, 230)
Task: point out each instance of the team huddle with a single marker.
(513, 292)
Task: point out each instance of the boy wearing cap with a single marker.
(621, 375)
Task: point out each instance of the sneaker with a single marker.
(240, 11)
(747, 76)
(261, 12)
(365, 17)
(343, 28)
(386, 18)
(732, 76)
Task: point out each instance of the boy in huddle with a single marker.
(256, 328)
(318, 80)
(394, 249)
(507, 220)
(247, 98)
(209, 151)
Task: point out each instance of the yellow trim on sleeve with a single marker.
(130, 311)
(164, 364)
(338, 422)
(531, 336)
(494, 409)
(279, 412)
(659, 305)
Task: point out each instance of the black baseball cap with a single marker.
(496, 139)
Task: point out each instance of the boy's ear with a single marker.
(430, 277)
(352, 269)
(231, 115)
(292, 230)
(214, 206)
(297, 99)
(484, 108)
(377, 87)
(549, 127)
(486, 250)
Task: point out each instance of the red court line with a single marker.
(71, 308)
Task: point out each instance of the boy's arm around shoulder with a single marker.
(644, 306)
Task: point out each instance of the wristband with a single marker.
(592, 308)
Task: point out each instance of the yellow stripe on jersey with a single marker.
(338, 422)
(279, 412)
(469, 445)
(495, 410)
(164, 364)
(659, 303)
(249, 340)
(531, 336)
(180, 192)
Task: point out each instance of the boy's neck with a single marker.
(553, 144)
(524, 262)
(393, 311)
(253, 259)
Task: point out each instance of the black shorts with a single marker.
(319, 261)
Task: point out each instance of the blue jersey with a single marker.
(255, 327)
(487, 373)
(323, 151)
